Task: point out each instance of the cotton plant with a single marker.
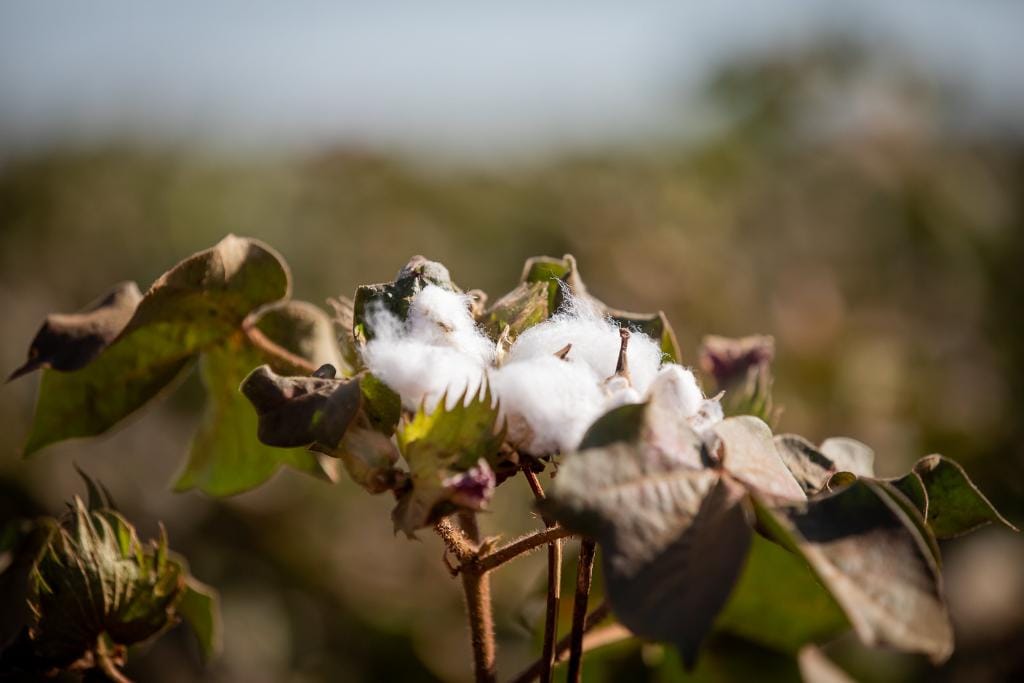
(710, 528)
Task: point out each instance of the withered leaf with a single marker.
(68, 341)
(813, 467)
(872, 558)
(673, 537)
(747, 451)
(301, 411)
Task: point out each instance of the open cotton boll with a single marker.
(422, 373)
(676, 388)
(440, 317)
(547, 402)
(595, 341)
(619, 393)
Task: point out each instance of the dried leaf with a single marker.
(68, 341)
(814, 468)
(747, 451)
(396, 296)
(873, 560)
(517, 311)
(301, 411)
(673, 537)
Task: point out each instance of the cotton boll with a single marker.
(548, 403)
(676, 389)
(619, 393)
(595, 341)
(440, 317)
(423, 373)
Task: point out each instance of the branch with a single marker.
(477, 587)
(282, 358)
(554, 587)
(584, 574)
(521, 546)
(456, 541)
(598, 639)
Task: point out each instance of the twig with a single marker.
(477, 587)
(455, 541)
(554, 588)
(593, 619)
(521, 546)
(584, 574)
(281, 357)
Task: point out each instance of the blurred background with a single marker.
(848, 177)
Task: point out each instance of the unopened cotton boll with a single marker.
(595, 341)
(676, 388)
(548, 403)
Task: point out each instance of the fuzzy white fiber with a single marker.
(547, 402)
(437, 350)
(595, 341)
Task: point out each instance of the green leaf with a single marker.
(779, 603)
(673, 537)
(199, 608)
(396, 296)
(519, 310)
(68, 341)
(562, 274)
(21, 543)
(196, 304)
(226, 457)
(955, 505)
(449, 453)
(747, 451)
(872, 558)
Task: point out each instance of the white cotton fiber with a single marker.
(548, 403)
(442, 318)
(437, 350)
(676, 388)
(595, 342)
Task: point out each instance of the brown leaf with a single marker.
(748, 452)
(68, 341)
(872, 558)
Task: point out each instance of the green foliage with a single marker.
(92, 589)
(224, 307)
(954, 506)
(449, 452)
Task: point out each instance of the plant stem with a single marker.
(554, 587)
(593, 619)
(477, 587)
(280, 357)
(522, 546)
(584, 574)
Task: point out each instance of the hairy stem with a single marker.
(522, 546)
(584, 574)
(477, 587)
(554, 588)
(593, 619)
(455, 541)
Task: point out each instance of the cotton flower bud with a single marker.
(473, 488)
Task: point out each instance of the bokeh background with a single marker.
(848, 177)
